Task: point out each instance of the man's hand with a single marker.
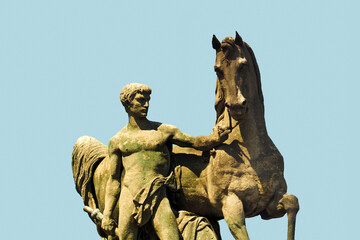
(222, 130)
(108, 225)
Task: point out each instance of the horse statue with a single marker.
(242, 177)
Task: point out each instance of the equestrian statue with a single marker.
(155, 182)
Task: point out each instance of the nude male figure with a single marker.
(140, 154)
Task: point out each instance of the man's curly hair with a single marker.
(128, 92)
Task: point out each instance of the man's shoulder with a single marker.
(118, 136)
(167, 128)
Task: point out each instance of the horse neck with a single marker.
(251, 134)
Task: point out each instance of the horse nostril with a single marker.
(244, 102)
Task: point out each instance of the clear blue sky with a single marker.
(63, 64)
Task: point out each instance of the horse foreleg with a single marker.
(281, 204)
(234, 215)
(290, 204)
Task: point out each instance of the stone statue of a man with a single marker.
(140, 162)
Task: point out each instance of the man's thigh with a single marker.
(164, 220)
(128, 228)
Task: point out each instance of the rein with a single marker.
(228, 121)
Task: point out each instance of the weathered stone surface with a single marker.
(163, 191)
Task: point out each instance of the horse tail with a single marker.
(86, 156)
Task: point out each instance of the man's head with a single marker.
(135, 98)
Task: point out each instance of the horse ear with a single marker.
(215, 43)
(238, 40)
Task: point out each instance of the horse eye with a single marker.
(242, 66)
(220, 75)
(219, 72)
(225, 48)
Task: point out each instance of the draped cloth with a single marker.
(194, 227)
(148, 198)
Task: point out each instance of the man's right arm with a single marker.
(203, 143)
(112, 187)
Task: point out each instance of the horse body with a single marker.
(248, 169)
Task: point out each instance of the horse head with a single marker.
(238, 77)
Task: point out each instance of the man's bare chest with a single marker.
(142, 140)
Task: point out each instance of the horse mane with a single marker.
(219, 94)
(257, 73)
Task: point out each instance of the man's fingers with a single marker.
(109, 229)
(222, 128)
(108, 225)
(228, 130)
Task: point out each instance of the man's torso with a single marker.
(145, 155)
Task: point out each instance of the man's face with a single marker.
(138, 107)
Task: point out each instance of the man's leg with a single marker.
(164, 220)
(128, 228)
